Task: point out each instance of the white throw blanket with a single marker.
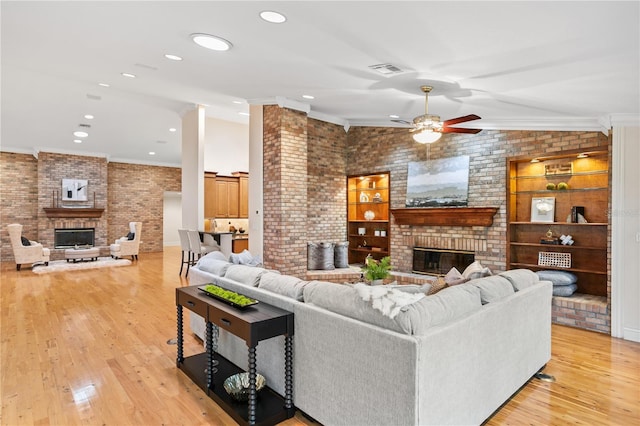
(389, 301)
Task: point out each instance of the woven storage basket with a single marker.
(559, 260)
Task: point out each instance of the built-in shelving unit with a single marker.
(586, 176)
(368, 216)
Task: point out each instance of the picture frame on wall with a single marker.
(543, 209)
(74, 189)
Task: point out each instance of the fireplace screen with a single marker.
(67, 238)
(440, 261)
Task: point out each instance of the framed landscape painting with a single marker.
(438, 183)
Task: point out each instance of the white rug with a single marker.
(63, 265)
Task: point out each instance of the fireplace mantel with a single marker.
(72, 212)
(445, 216)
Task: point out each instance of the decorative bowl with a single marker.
(238, 385)
(369, 215)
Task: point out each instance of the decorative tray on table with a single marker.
(229, 297)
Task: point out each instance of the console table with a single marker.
(253, 324)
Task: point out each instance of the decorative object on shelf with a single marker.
(376, 270)
(566, 240)
(549, 238)
(372, 184)
(551, 186)
(238, 385)
(377, 198)
(542, 209)
(369, 215)
(383, 232)
(376, 233)
(558, 260)
(563, 186)
(362, 231)
(227, 296)
(576, 212)
(364, 198)
(438, 183)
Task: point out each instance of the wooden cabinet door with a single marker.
(244, 198)
(209, 195)
(222, 199)
(232, 199)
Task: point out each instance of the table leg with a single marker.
(180, 357)
(288, 371)
(251, 414)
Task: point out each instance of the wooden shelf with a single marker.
(557, 246)
(72, 212)
(559, 223)
(537, 267)
(446, 216)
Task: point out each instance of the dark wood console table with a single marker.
(256, 323)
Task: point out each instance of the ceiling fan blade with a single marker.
(462, 119)
(401, 121)
(460, 130)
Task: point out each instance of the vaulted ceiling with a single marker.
(529, 65)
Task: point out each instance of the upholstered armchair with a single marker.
(32, 253)
(125, 246)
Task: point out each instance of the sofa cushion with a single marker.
(447, 305)
(247, 275)
(410, 288)
(493, 288)
(213, 265)
(215, 255)
(520, 278)
(284, 285)
(558, 277)
(345, 300)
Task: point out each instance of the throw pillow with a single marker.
(25, 241)
(476, 270)
(564, 290)
(438, 285)
(557, 277)
(453, 275)
(131, 236)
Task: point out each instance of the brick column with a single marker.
(285, 190)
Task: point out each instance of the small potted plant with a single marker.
(376, 271)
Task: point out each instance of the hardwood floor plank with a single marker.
(89, 347)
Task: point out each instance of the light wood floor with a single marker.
(90, 347)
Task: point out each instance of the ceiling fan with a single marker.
(428, 128)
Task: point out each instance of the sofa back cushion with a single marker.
(247, 275)
(213, 265)
(284, 285)
(447, 305)
(520, 278)
(493, 288)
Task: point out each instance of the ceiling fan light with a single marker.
(426, 136)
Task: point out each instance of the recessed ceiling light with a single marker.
(80, 134)
(583, 155)
(211, 42)
(77, 141)
(394, 116)
(238, 102)
(173, 57)
(308, 97)
(104, 85)
(152, 153)
(88, 116)
(172, 129)
(244, 113)
(273, 17)
(128, 75)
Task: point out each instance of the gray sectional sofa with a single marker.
(452, 358)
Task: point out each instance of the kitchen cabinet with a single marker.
(585, 184)
(226, 196)
(240, 244)
(368, 216)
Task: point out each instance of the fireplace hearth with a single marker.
(71, 237)
(433, 261)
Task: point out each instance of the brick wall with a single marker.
(126, 191)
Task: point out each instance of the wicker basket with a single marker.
(559, 260)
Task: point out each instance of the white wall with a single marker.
(625, 234)
(226, 147)
(171, 218)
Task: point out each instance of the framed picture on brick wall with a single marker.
(74, 189)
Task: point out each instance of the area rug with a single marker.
(63, 265)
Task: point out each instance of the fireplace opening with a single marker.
(439, 261)
(71, 237)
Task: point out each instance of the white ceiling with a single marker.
(539, 65)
